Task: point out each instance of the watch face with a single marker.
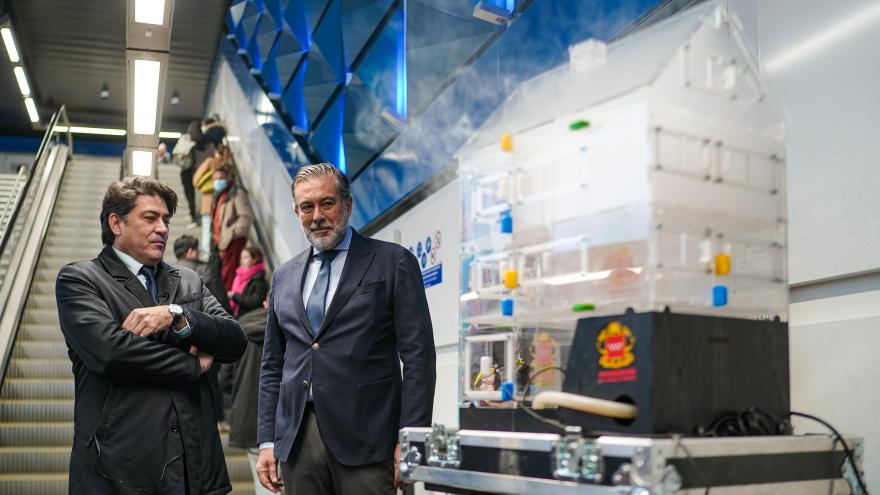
(175, 309)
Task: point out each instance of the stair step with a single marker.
(40, 349)
(39, 368)
(45, 460)
(58, 434)
(37, 388)
(20, 410)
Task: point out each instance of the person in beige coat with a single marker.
(231, 219)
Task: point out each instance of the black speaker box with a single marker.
(681, 371)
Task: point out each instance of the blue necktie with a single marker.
(150, 273)
(318, 296)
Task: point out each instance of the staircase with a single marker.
(10, 187)
(36, 398)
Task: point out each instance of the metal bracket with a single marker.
(577, 459)
(649, 473)
(410, 457)
(443, 448)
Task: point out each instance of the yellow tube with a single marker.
(591, 405)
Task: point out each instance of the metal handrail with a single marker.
(44, 145)
(11, 201)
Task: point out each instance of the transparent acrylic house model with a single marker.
(645, 174)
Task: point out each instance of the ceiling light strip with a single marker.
(9, 41)
(23, 85)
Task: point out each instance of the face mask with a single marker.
(219, 184)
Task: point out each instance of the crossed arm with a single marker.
(105, 346)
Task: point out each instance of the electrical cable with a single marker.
(535, 375)
(846, 449)
(692, 462)
(531, 412)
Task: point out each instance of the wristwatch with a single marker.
(176, 314)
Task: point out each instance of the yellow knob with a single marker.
(506, 142)
(510, 279)
(722, 264)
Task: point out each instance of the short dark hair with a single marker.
(310, 172)
(255, 252)
(121, 197)
(183, 244)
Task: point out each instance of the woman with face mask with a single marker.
(231, 220)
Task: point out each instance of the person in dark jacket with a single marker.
(141, 334)
(186, 249)
(189, 161)
(243, 378)
(250, 287)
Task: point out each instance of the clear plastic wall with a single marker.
(648, 174)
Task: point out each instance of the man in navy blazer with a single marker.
(342, 317)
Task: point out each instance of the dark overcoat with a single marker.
(143, 421)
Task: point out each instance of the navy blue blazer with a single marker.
(377, 318)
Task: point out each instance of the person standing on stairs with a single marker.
(141, 334)
(231, 222)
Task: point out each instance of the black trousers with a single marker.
(186, 176)
(312, 470)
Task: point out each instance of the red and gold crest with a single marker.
(615, 344)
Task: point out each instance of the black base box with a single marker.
(682, 371)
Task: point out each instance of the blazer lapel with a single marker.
(299, 272)
(356, 264)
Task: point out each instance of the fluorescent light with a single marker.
(469, 296)
(10, 45)
(835, 33)
(32, 110)
(23, 85)
(146, 95)
(141, 162)
(149, 11)
(105, 131)
(573, 278)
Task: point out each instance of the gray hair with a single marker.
(325, 169)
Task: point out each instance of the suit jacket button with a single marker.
(305, 384)
(315, 346)
(174, 427)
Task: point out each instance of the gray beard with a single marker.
(339, 231)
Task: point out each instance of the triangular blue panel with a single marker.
(328, 38)
(292, 98)
(326, 70)
(314, 9)
(327, 138)
(285, 56)
(233, 15)
(364, 130)
(430, 67)
(428, 25)
(274, 9)
(359, 21)
(297, 22)
(248, 25)
(264, 38)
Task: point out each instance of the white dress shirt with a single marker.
(133, 265)
(336, 267)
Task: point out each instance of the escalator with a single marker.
(36, 396)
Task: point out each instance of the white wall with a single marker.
(261, 169)
(820, 58)
(439, 213)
